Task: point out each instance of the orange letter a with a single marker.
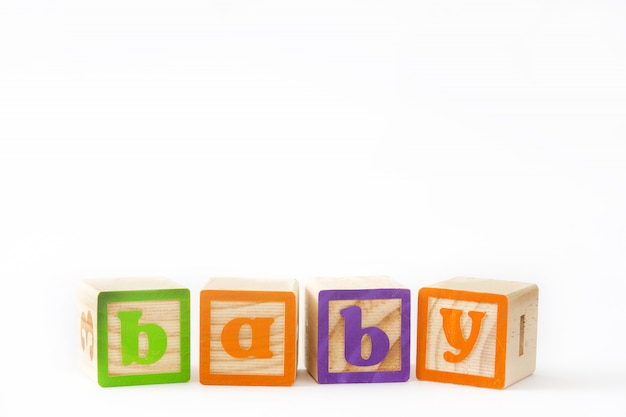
(260, 337)
(454, 333)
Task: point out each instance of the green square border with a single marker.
(178, 294)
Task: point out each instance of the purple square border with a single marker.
(402, 375)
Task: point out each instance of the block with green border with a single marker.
(134, 331)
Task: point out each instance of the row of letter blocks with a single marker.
(469, 331)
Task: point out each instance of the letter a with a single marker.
(260, 345)
(454, 333)
(354, 333)
(130, 330)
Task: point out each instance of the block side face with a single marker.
(311, 332)
(522, 335)
(87, 318)
(144, 337)
(345, 317)
(461, 337)
(248, 338)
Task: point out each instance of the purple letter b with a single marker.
(354, 334)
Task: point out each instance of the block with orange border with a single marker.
(479, 332)
(248, 331)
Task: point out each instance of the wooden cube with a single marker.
(249, 331)
(477, 332)
(357, 330)
(134, 331)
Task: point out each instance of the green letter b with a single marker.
(130, 330)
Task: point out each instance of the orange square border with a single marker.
(422, 373)
(290, 337)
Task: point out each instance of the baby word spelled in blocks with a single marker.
(134, 331)
(249, 332)
(357, 330)
(477, 332)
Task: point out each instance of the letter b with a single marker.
(354, 334)
(130, 330)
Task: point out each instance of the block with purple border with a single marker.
(357, 330)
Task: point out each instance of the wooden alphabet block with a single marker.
(477, 332)
(249, 332)
(134, 331)
(357, 330)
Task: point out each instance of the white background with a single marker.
(416, 139)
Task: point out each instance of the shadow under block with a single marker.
(357, 330)
(134, 331)
(477, 332)
(249, 332)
